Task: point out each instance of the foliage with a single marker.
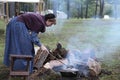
(76, 10)
(2, 24)
(2, 37)
(27, 7)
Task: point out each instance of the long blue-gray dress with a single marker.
(19, 40)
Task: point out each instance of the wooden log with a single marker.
(40, 58)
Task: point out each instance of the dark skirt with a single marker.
(18, 42)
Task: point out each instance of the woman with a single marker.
(21, 35)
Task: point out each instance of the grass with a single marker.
(101, 35)
(2, 38)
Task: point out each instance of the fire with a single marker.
(83, 63)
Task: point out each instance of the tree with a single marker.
(80, 5)
(101, 8)
(68, 9)
(115, 9)
(55, 2)
(96, 9)
(46, 4)
(86, 12)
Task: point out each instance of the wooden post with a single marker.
(17, 10)
(7, 12)
(40, 5)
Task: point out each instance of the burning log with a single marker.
(56, 54)
(59, 52)
(86, 66)
(69, 74)
(94, 66)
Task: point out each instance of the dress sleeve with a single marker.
(35, 39)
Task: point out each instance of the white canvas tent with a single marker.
(40, 6)
(30, 1)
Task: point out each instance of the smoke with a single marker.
(58, 6)
(56, 29)
(112, 40)
(104, 38)
(107, 45)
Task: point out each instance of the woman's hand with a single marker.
(43, 48)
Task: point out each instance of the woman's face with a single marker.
(50, 22)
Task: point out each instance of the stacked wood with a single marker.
(58, 53)
(57, 57)
(40, 58)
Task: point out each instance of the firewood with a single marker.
(40, 58)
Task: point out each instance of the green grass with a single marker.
(101, 35)
(2, 27)
(2, 38)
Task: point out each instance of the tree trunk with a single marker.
(68, 9)
(115, 10)
(81, 11)
(55, 7)
(96, 9)
(101, 8)
(86, 13)
(46, 4)
(78, 11)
